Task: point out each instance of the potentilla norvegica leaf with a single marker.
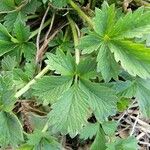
(89, 131)
(112, 32)
(7, 92)
(25, 8)
(10, 129)
(87, 68)
(101, 99)
(100, 140)
(123, 144)
(143, 96)
(39, 139)
(50, 88)
(61, 63)
(22, 32)
(7, 5)
(19, 45)
(70, 113)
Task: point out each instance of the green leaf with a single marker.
(100, 141)
(123, 104)
(134, 57)
(4, 34)
(7, 5)
(10, 129)
(7, 92)
(61, 63)
(104, 19)
(89, 131)
(123, 144)
(142, 96)
(109, 127)
(107, 64)
(31, 7)
(71, 112)
(11, 18)
(21, 31)
(50, 88)
(8, 63)
(6, 47)
(87, 68)
(89, 43)
(42, 140)
(110, 32)
(101, 99)
(59, 3)
(29, 50)
(133, 24)
(125, 89)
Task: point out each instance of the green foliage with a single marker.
(86, 83)
(101, 99)
(61, 63)
(123, 144)
(7, 92)
(112, 39)
(70, 113)
(10, 129)
(56, 86)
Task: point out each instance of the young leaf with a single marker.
(10, 129)
(21, 31)
(101, 99)
(104, 19)
(71, 112)
(61, 63)
(50, 88)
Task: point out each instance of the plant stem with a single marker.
(28, 86)
(81, 13)
(45, 127)
(34, 33)
(75, 37)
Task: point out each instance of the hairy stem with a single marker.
(75, 37)
(81, 13)
(28, 86)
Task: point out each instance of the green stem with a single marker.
(45, 127)
(34, 33)
(75, 37)
(76, 41)
(81, 13)
(32, 16)
(28, 86)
